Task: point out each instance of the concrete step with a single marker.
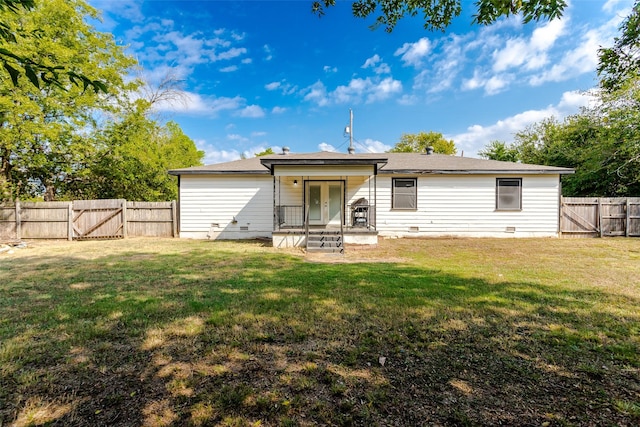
(329, 242)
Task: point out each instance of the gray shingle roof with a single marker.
(388, 163)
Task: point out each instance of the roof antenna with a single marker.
(349, 130)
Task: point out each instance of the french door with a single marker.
(324, 201)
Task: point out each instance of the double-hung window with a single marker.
(404, 193)
(508, 194)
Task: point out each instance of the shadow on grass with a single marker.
(226, 338)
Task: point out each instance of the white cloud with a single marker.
(229, 69)
(267, 52)
(323, 146)
(512, 55)
(164, 44)
(272, 85)
(236, 137)
(375, 63)
(131, 10)
(371, 62)
(384, 90)
(358, 90)
(317, 93)
(278, 110)
(251, 111)
(213, 155)
(497, 83)
(285, 87)
(413, 53)
(544, 37)
(529, 53)
(408, 100)
(189, 102)
(374, 146)
(477, 136)
(230, 54)
(580, 60)
(329, 69)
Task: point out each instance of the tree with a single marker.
(135, 154)
(17, 65)
(621, 61)
(265, 152)
(438, 15)
(602, 143)
(418, 143)
(499, 150)
(43, 130)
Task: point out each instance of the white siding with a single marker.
(207, 201)
(464, 205)
(456, 205)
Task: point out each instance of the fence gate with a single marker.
(598, 217)
(579, 217)
(99, 219)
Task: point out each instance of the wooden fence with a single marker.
(600, 216)
(87, 219)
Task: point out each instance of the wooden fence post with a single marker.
(627, 219)
(174, 219)
(70, 221)
(600, 216)
(124, 219)
(18, 223)
(560, 215)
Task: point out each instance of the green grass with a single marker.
(173, 332)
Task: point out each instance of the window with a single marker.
(509, 194)
(404, 194)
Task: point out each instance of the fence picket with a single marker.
(93, 219)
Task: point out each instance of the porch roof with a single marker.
(385, 163)
(324, 158)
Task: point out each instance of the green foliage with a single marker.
(43, 130)
(418, 143)
(621, 62)
(499, 150)
(35, 70)
(265, 152)
(602, 144)
(134, 157)
(438, 15)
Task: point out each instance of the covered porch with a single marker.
(333, 196)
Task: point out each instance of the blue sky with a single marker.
(258, 74)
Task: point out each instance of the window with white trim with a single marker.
(404, 193)
(508, 194)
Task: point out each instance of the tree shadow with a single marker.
(216, 337)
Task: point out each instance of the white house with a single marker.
(288, 197)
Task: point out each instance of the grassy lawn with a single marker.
(531, 332)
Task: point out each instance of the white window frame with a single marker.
(508, 194)
(413, 194)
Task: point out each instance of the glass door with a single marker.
(324, 202)
(315, 203)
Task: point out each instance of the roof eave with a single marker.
(206, 172)
(476, 172)
(321, 162)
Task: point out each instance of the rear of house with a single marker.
(287, 196)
